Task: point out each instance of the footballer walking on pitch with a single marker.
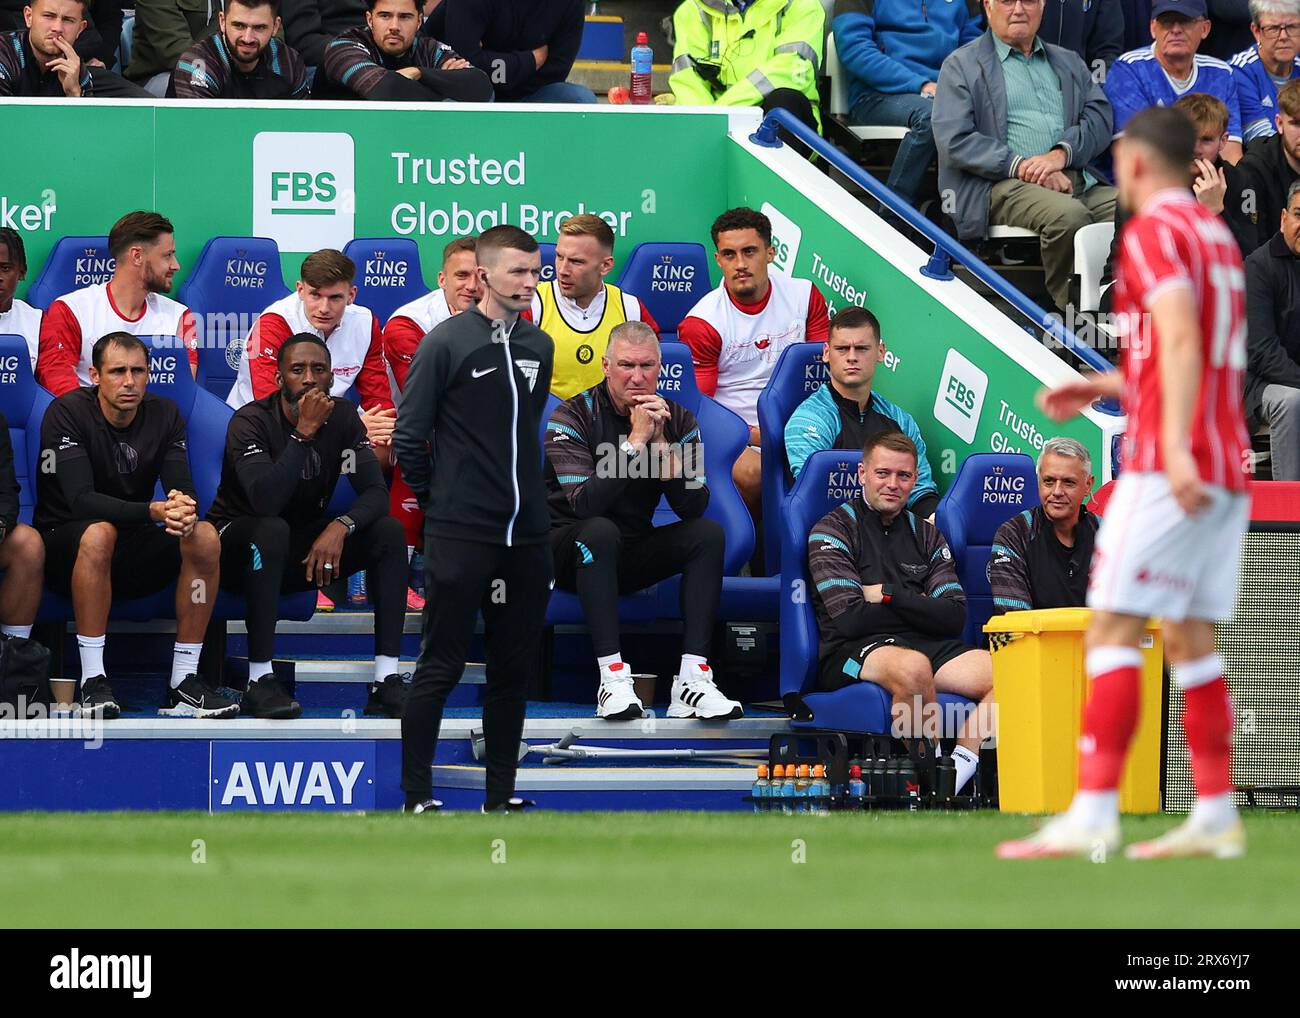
(1170, 543)
(468, 442)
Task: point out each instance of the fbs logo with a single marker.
(785, 238)
(960, 399)
(304, 189)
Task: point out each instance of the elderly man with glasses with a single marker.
(1018, 123)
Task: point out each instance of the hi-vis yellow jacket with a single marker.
(724, 58)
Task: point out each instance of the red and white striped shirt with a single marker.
(1174, 241)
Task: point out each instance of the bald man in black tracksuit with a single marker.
(468, 441)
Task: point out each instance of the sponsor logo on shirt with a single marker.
(304, 188)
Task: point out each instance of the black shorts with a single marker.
(844, 666)
(146, 559)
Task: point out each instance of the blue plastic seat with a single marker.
(388, 273)
(73, 263)
(799, 372)
(670, 279)
(233, 281)
(23, 403)
(988, 490)
(864, 706)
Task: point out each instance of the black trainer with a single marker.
(97, 698)
(428, 806)
(512, 805)
(389, 699)
(195, 699)
(266, 698)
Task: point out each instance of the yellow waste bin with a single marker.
(1040, 685)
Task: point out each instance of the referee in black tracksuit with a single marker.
(467, 440)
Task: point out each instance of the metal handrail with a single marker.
(946, 249)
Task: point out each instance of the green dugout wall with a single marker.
(318, 174)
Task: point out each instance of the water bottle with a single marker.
(417, 573)
(876, 786)
(821, 791)
(788, 791)
(801, 783)
(909, 785)
(945, 778)
(357, 590)
(857, 787)
(893, 787)
(642, 59)
(761, 790)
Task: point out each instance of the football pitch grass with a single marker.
(616, 869)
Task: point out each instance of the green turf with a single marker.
(620, 869)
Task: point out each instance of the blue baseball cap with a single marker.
(1187, 8)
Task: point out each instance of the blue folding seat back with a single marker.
(388, 273)
(670, 279)
(799, 372)
(548, 262)
(863, 706)
(988, 490)
(23, 403)
(233, 281)
(73, 263)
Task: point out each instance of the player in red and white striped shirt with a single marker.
(1170, 545)
(143, 246)
(738, 331)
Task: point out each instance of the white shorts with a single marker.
(1154, 560)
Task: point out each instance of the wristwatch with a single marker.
(348, 522)
(886, 593)
(627, 448)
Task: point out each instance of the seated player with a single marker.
(17, 317)
(284, 455)
(458, 289)
(322, 305)
(143, 245)
(611, 453)
(22, 553)
(108, 445)
(244, 60)
(845, 410)
(384, 61)
(737, 332)
(40, 60)
(889, 607)
(1041, 557)
(578, 309)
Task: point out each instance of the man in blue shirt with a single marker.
(845, 411)
(1260, 71)
(892, 50)
(1171, 67)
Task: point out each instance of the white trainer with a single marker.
(695, 696)
(616, 700)
(1063, 836)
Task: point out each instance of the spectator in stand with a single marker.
(1266, 66)
(165, 29)
(1273, 164)
(1172, 67)
(578, 309)
(384, 61)
(737, 332)
(1217, 184)
(97, 45)
(1230, 22)
(1094, 29)
(603, 538)
(1018, 123)
(845, 411)
(311, 25)
(889, 607)
(1137, 23)
(526, 47)
(894, 71)
(764, 53)
(242, 61)
(143, 245)
(17, 317)
(1041, 557)
(1273, 340)
(40, 60)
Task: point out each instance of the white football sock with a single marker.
(608, 661)
(1094, 810)
(1213, 813)
(24, 631)
(91, 649)
(185, 661)
(690, 667)
(384, 667)
(257, 669)
(965, 762)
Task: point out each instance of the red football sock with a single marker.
(1207, 720)
(1109, 718)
